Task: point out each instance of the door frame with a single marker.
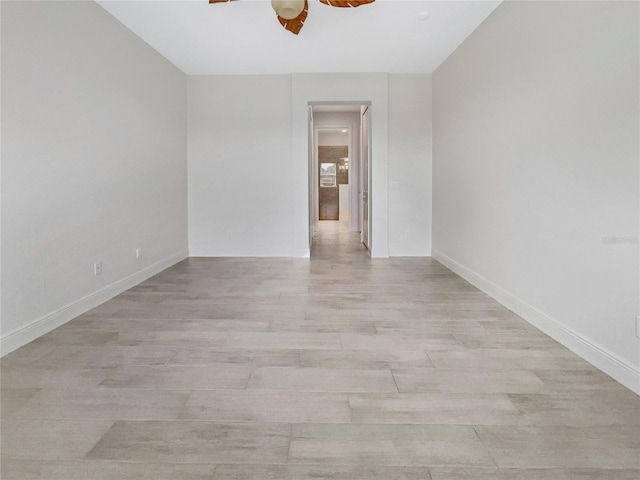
(365, 176)
(355, 204)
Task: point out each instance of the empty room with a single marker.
(320, 239)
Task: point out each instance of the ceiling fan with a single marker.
(292, 13)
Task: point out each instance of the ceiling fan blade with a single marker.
(346, 3)
(220, 1)
(295, 25)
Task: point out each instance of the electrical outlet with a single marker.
(97, 268)
(138, 252)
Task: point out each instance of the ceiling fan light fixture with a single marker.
(288, 9)
(293, 13)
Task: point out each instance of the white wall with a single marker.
(0, 183)
(332, 138)
(410, 165)
(93, 163)
(240, 180)
(536, 168)
(248, 160)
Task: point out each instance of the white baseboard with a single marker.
(16, 339)
(597, 355)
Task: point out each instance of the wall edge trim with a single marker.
(600, 357)
(52, 320)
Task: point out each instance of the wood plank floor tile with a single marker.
(327, 325)
(75, 338)
(262, 407)
(105, 403)
(35, 377)
(193, 442)
(354, 341)
(25, 356)
(506, 340)
(582, 410)
(37, 439)
(569, 447)
(435, 409)
(88, 469)
(426, 326)
(179, 377)
(318, 472)
(14, 400)
(321, 380)
(174, 339)
(283, 341)
(467, 380)
(576, 381)
(497, 359)
(318, 314)
(219, 356)
(533, 474)
(403, 445)
(377, 359)
(69, 357)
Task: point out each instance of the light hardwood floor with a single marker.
(337, 367)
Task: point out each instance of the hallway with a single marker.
(336, 367)
(334, 242)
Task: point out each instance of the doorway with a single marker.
(340, 167)
(334, 183)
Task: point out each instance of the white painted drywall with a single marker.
(240, 179)
(410, 165)
(248, 159)
(332, 138)
(0, 182)
(343, 202)
(93, 163)
(536, 181)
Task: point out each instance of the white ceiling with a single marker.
(244, 37)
